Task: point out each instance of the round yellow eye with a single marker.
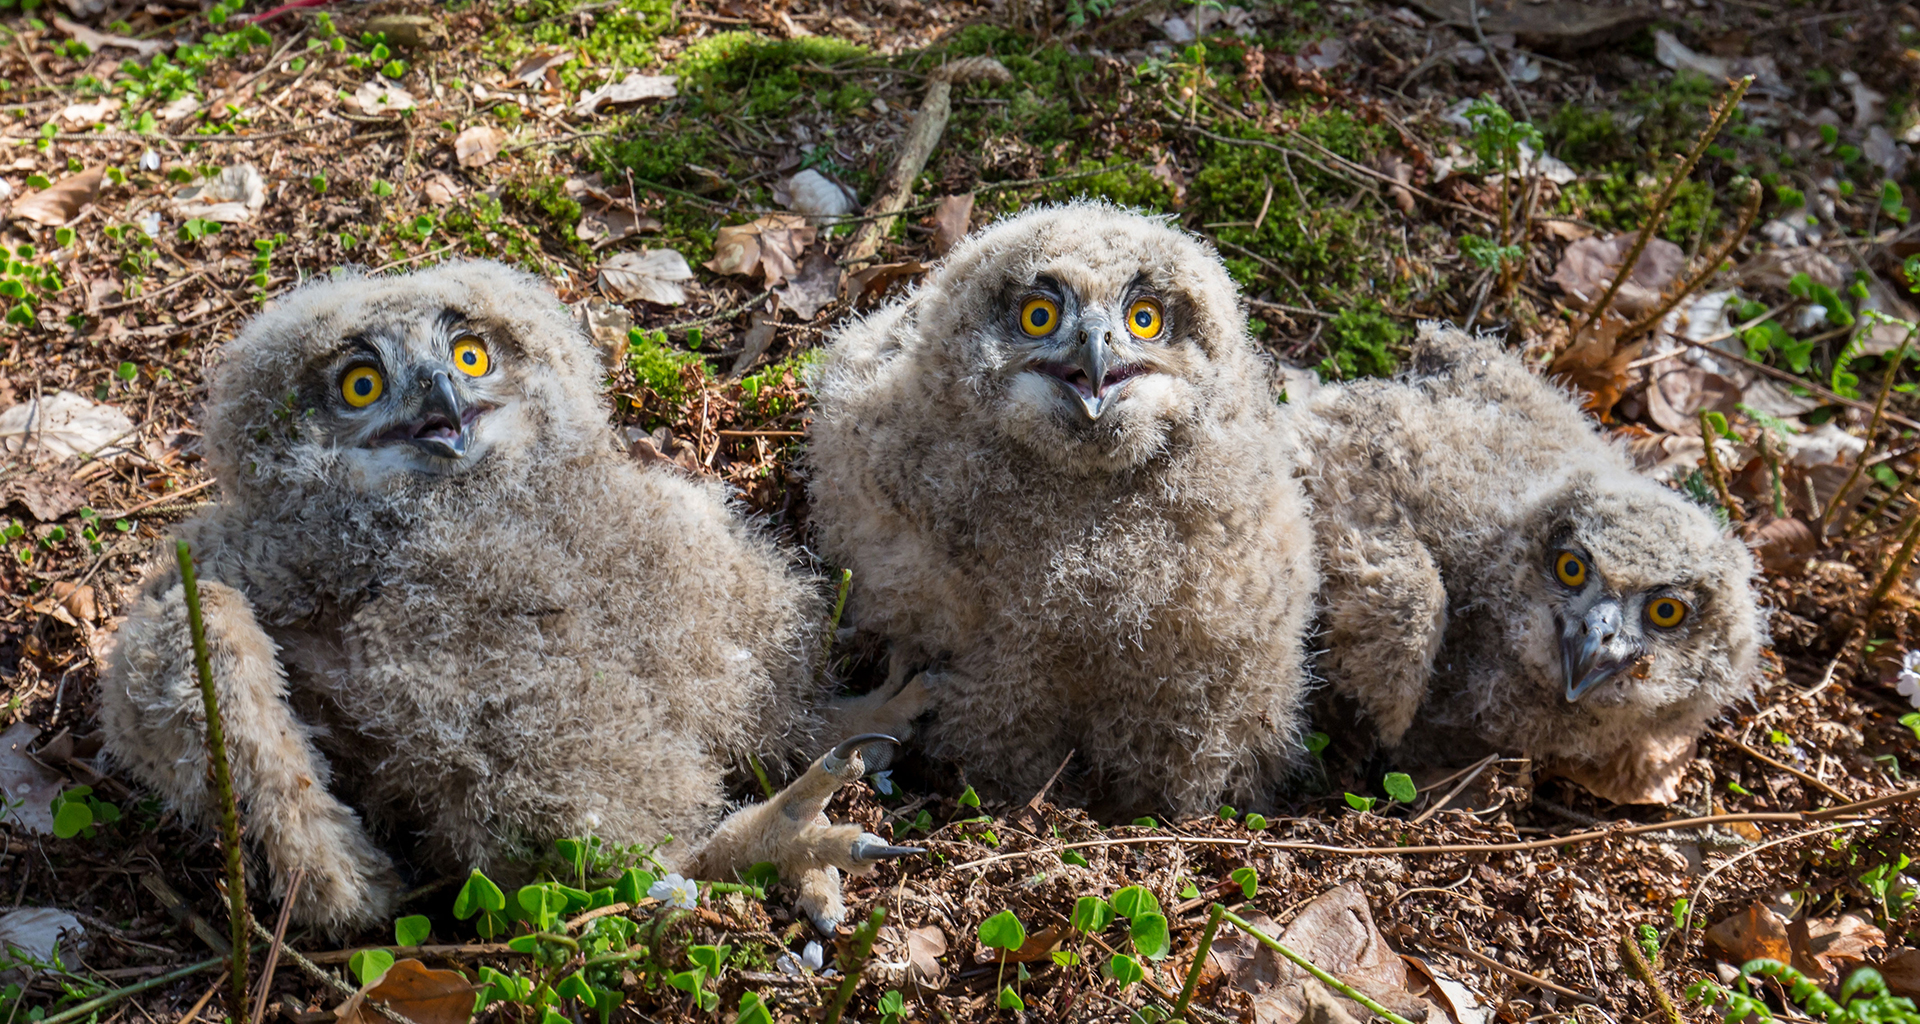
(470, 355)
(1143, 319)
(1039, 316)
(361, 386)
(1571, 570)
(1666, 612)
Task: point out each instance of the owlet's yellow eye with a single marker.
(361, 386)
(1666, 612)
(470, 355)
(1039, 316)
(1143, 319)
(1570, 569)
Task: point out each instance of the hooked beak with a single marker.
(1091, 373)
(441, 428)
(1595, 650)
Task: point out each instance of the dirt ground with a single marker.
(169, 169)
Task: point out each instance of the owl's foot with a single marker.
(793, 832)
(889, 710)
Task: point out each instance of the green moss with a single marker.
(546, 198)
(1359, 342)
(1617, 198)
(660, 151)
(622, 36)
(656, 364)
(749, 74)
(1132, 185)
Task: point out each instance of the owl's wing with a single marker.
(1386, 610)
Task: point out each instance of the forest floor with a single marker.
(168, 169)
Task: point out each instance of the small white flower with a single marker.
(883, 781)
(149, 161)
(675, 891)
(808, 962)
(150, 223)
(593, 820)
(1909, 684)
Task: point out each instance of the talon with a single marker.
(869, 848)
(838, 756)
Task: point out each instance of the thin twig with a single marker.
(1748, 215)
(1897, 567)
(1330, 172)
(1473, 12)
(1873, 434)
(1665, 199)
(279, 940)
(1706, 345)
(205, 998)
(326, 978)
(1789, 769)
(1531, 979)
(164, 498)
(85, 1009)
(1892, 495)
(222, 784)
(1472, 774)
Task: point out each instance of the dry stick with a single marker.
(1472, 774)
(81, 1011)
(1768, 817)
(1718, 479)
(1892, 495)
(1706, 345)
(1307, 965)
(1659, 211)
(862, 945)
(332, 982)
(1199, 961)
(1694, 901)
(924, 134)
(279, 939)
(1531, 979)
(1873, 432)
(1638, 958)
(205, 998)
(222, 784)
(1748, 215)
(1898, 566)
(1805, 777)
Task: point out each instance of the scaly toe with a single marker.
(874, 750)
(871, 849)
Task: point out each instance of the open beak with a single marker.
(441, 428)
(1595, 649)
(1091, 372)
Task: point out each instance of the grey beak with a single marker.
(1092, 359)
(1595, 650)
(443, 433)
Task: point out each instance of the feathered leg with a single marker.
(155, 721)
(1387, 616)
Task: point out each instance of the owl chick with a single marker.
(1063, 489)
(1494, 567)
(445, 610)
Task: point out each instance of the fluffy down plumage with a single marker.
(463, 656)
(1448, 501)
(1133, 586)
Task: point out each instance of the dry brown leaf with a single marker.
(478, 145)
(1784, 545)
(47, 497)
(925, 946)
(379, 97)
(1590, 264)
(86, 115)
(754, 344)
(606, 225)
(650, 275)
(60, 202)
(64, 424)
(1597, 364)
(1835, 944)
(28, 785)
(1038, 946)
(817, 284)
(607, 324)
(442, 189)
(1751, 934)
(1676, 398)
(1902, 971)
(416, 992)
(1336, 932)
(631, 89)
(872, 284)
(540, 66)
(1169, 175)
(76, 600)
(819, 198)
(767, 246)
(951, 221)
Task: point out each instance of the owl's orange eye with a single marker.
(1143, 319)
(1666, 612)
(470, 355)
(1570, 570)
(362, 386)
(1039, 316)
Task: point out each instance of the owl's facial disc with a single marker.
(1598, 638)
(1088, 356)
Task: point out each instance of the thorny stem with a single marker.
(1873, 431)
(1307, 965)
(1718, 479)
(1748, 215)
(1874, 514)
(1660, 205)
(222, 784)
(1644, 971)
(1199, 961)
(1898, 567)
(857, 962)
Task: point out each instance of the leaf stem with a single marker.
(1714, 475)
(1307, 965)
(1199, 961)
(857, 961)
(222, 784)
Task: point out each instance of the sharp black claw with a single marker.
(870, 847)
(845, 749)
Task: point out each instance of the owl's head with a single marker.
(1638, 596)
(1089, 333)
(369, 384)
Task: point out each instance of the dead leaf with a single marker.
(1751, 934)
(1336, 932)
(817, 285)
(94, 40)
(607, 324)
(1553, 26)
(59, 203)
(632, 89)
(27, 782)
(539, 66)
(649, 275)
(478, 145)
(417, 993)
(86, 115)
(1836, 944)
(951, 221)
(754, 344)
(767, 246)
(1402, 174)
(661, 448)
(609, 224)
(1169, 175)
(1589, 265)
(408, 31)
(380, 96)
(1902, 971)
(1784, 545)
(64, 425)
(442, 189)
(924, 948)
(77, 601)
(47, 497)
(1646, 770)
(1596, 364)
(1676, 398)
(234, 196)
(1037, 947)
(40, 932)
(867, 287)
(814, 195)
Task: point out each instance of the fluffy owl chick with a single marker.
(1062, 484)
(1495, 567)
(445, 610)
